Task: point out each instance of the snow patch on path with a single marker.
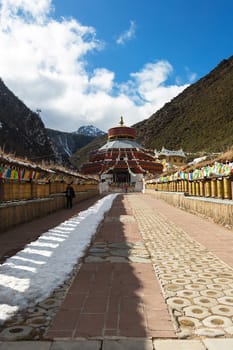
(33, 273)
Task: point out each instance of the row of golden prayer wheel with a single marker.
(221, 187)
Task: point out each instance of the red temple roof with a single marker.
(122, 152)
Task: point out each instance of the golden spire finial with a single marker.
(121, 121)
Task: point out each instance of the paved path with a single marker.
(14, 239)
(197, 285)
(152, 272)
(122, 296)
(122, 344)
(116, 292)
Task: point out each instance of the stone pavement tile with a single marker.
(153, 303)
(127, 344)
(95, 305)
(65, 320)
(57, 334)
(74, 301)
(179, 345)
(214, 237)
(76, 345)
(168, 334)
(132, 324)
(111, 321)
(90, 325)
(218, 344)
(25, 345)
(159, 321)
(115, 232)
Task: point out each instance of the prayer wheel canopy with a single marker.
(122, 159)
(121, 132)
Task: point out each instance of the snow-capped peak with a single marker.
(89, 130)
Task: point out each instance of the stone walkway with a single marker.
(153, 273)
(197, 285)
(122, 344)
(116, 292)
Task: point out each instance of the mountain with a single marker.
(82, 155)
(22, 132)
(67, 143)
(90, 130)
(198, 119)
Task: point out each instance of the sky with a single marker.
(80, 62)
(33, 273)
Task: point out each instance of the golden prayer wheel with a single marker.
(193, 189)
(182, 186)
(171, 186)
(197, 187)
(207, 188)
(1, 191)
(227, 188)
(220, 188)
(197, 192)
(186, 186)
(190, 188)
(201, 188)
(213, 188)
(179, 186)
(7, 191)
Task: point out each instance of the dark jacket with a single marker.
(70, 192)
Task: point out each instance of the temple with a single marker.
(122, 159)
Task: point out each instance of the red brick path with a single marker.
(114, 299)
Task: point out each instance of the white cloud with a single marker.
(191, 75)
(43, 61)
(36, 10)
(127, 35)
(102, 80)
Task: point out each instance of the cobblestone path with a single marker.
(115, 289)
(197, 285)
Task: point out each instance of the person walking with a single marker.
(70, 194)
(126, 187)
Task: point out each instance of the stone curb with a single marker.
(122, 344)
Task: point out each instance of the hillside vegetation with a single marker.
(199, 119)
(22, 132)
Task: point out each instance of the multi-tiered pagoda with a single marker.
(122, 159)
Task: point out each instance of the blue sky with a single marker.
(194, 36)
(90, 61)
